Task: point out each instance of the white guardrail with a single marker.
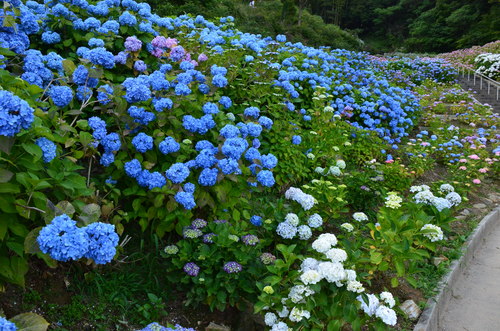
(483, 80)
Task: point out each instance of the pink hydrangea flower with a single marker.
(474, 157)
(476, 181)
(483, 170)
(463, 168)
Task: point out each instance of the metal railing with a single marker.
(483, 80)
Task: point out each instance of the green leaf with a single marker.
(9, 188)
(375, 257)
(5, 175)
(90, 213)
(30, 243)
(65, 207)
(6, 144)
(30, 322)
(236, 215)
(394, 282)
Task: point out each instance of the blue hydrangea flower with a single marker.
(107, 159)
(208, 177)
(210, 108)
(140, 115)
(160, 104)
(142, 142)
(127, 19)
(137, 90)
(63, 240)
(225, 102)
(234, 147)
(252, 112)
(133, 168)
(230, 131)
(256, 220)
(296, 140)
(104, 94)
(6, 325)
(48, 148)
(252, 154)
(61, 95)
(189, 187)
(98, 126)
(266, 178)
(102, 57)
(254, 130)
(132, 44)
(178, 173)
(266, 122)
(15, 114)
(83, 93)
(111, 142)
(140, 66)
(96, 42)
(50, 37)
(206, 158)
(186, 199)
(269, 161)
(229, 166)
(102, 242)
(219, 81)
(169, 145)
(81, 77)
(177, 53)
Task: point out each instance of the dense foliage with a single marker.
(384, 25)
(246, 155)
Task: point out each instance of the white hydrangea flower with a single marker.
(336, 255)
(311, 277)
(305, 232)
(441, 203)
(296, 315)
(388, 299)
(284, 312)
(292, 218)
(321, 245)
(446, 188)
(334, 171)
(298, 292)
(270, 319)
(424, 197)
(454, 198)
(306, 201)
(355, 286)
(280, 326)
(330, 237)
(309, 264)
(311, 156)
(347, 226)
(350, 275)
(372, 305)
(359, 216)
(435, 235)
(341, 164)
(315, 221)
(332, 272)
(319, 170)
(419, 188)
(387, 315)
(393, 200)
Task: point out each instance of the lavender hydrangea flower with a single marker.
(232, 267)
(191, 269)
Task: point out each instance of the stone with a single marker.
(479, 206)
(465, 212)
(494, 197)
(411, 309)
(438, 260)
(460, 217)
(216, 327)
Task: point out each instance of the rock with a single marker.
(479, 206)
(465, 212)
(487, 201)
(411, 309)
(460, 217)
(216, 327)
(494, 197)
(438, 260)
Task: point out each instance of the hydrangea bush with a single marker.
(205, 136)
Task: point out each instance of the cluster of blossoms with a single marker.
(290, 227)
(360, 217)
(380, 308)
(330, 269)
(335, 170)
(64, 241)
(433, 232)
(425, 196)
(307, 201)
(15, 114)
(6, 325)
(157, 327)
(393, 200)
